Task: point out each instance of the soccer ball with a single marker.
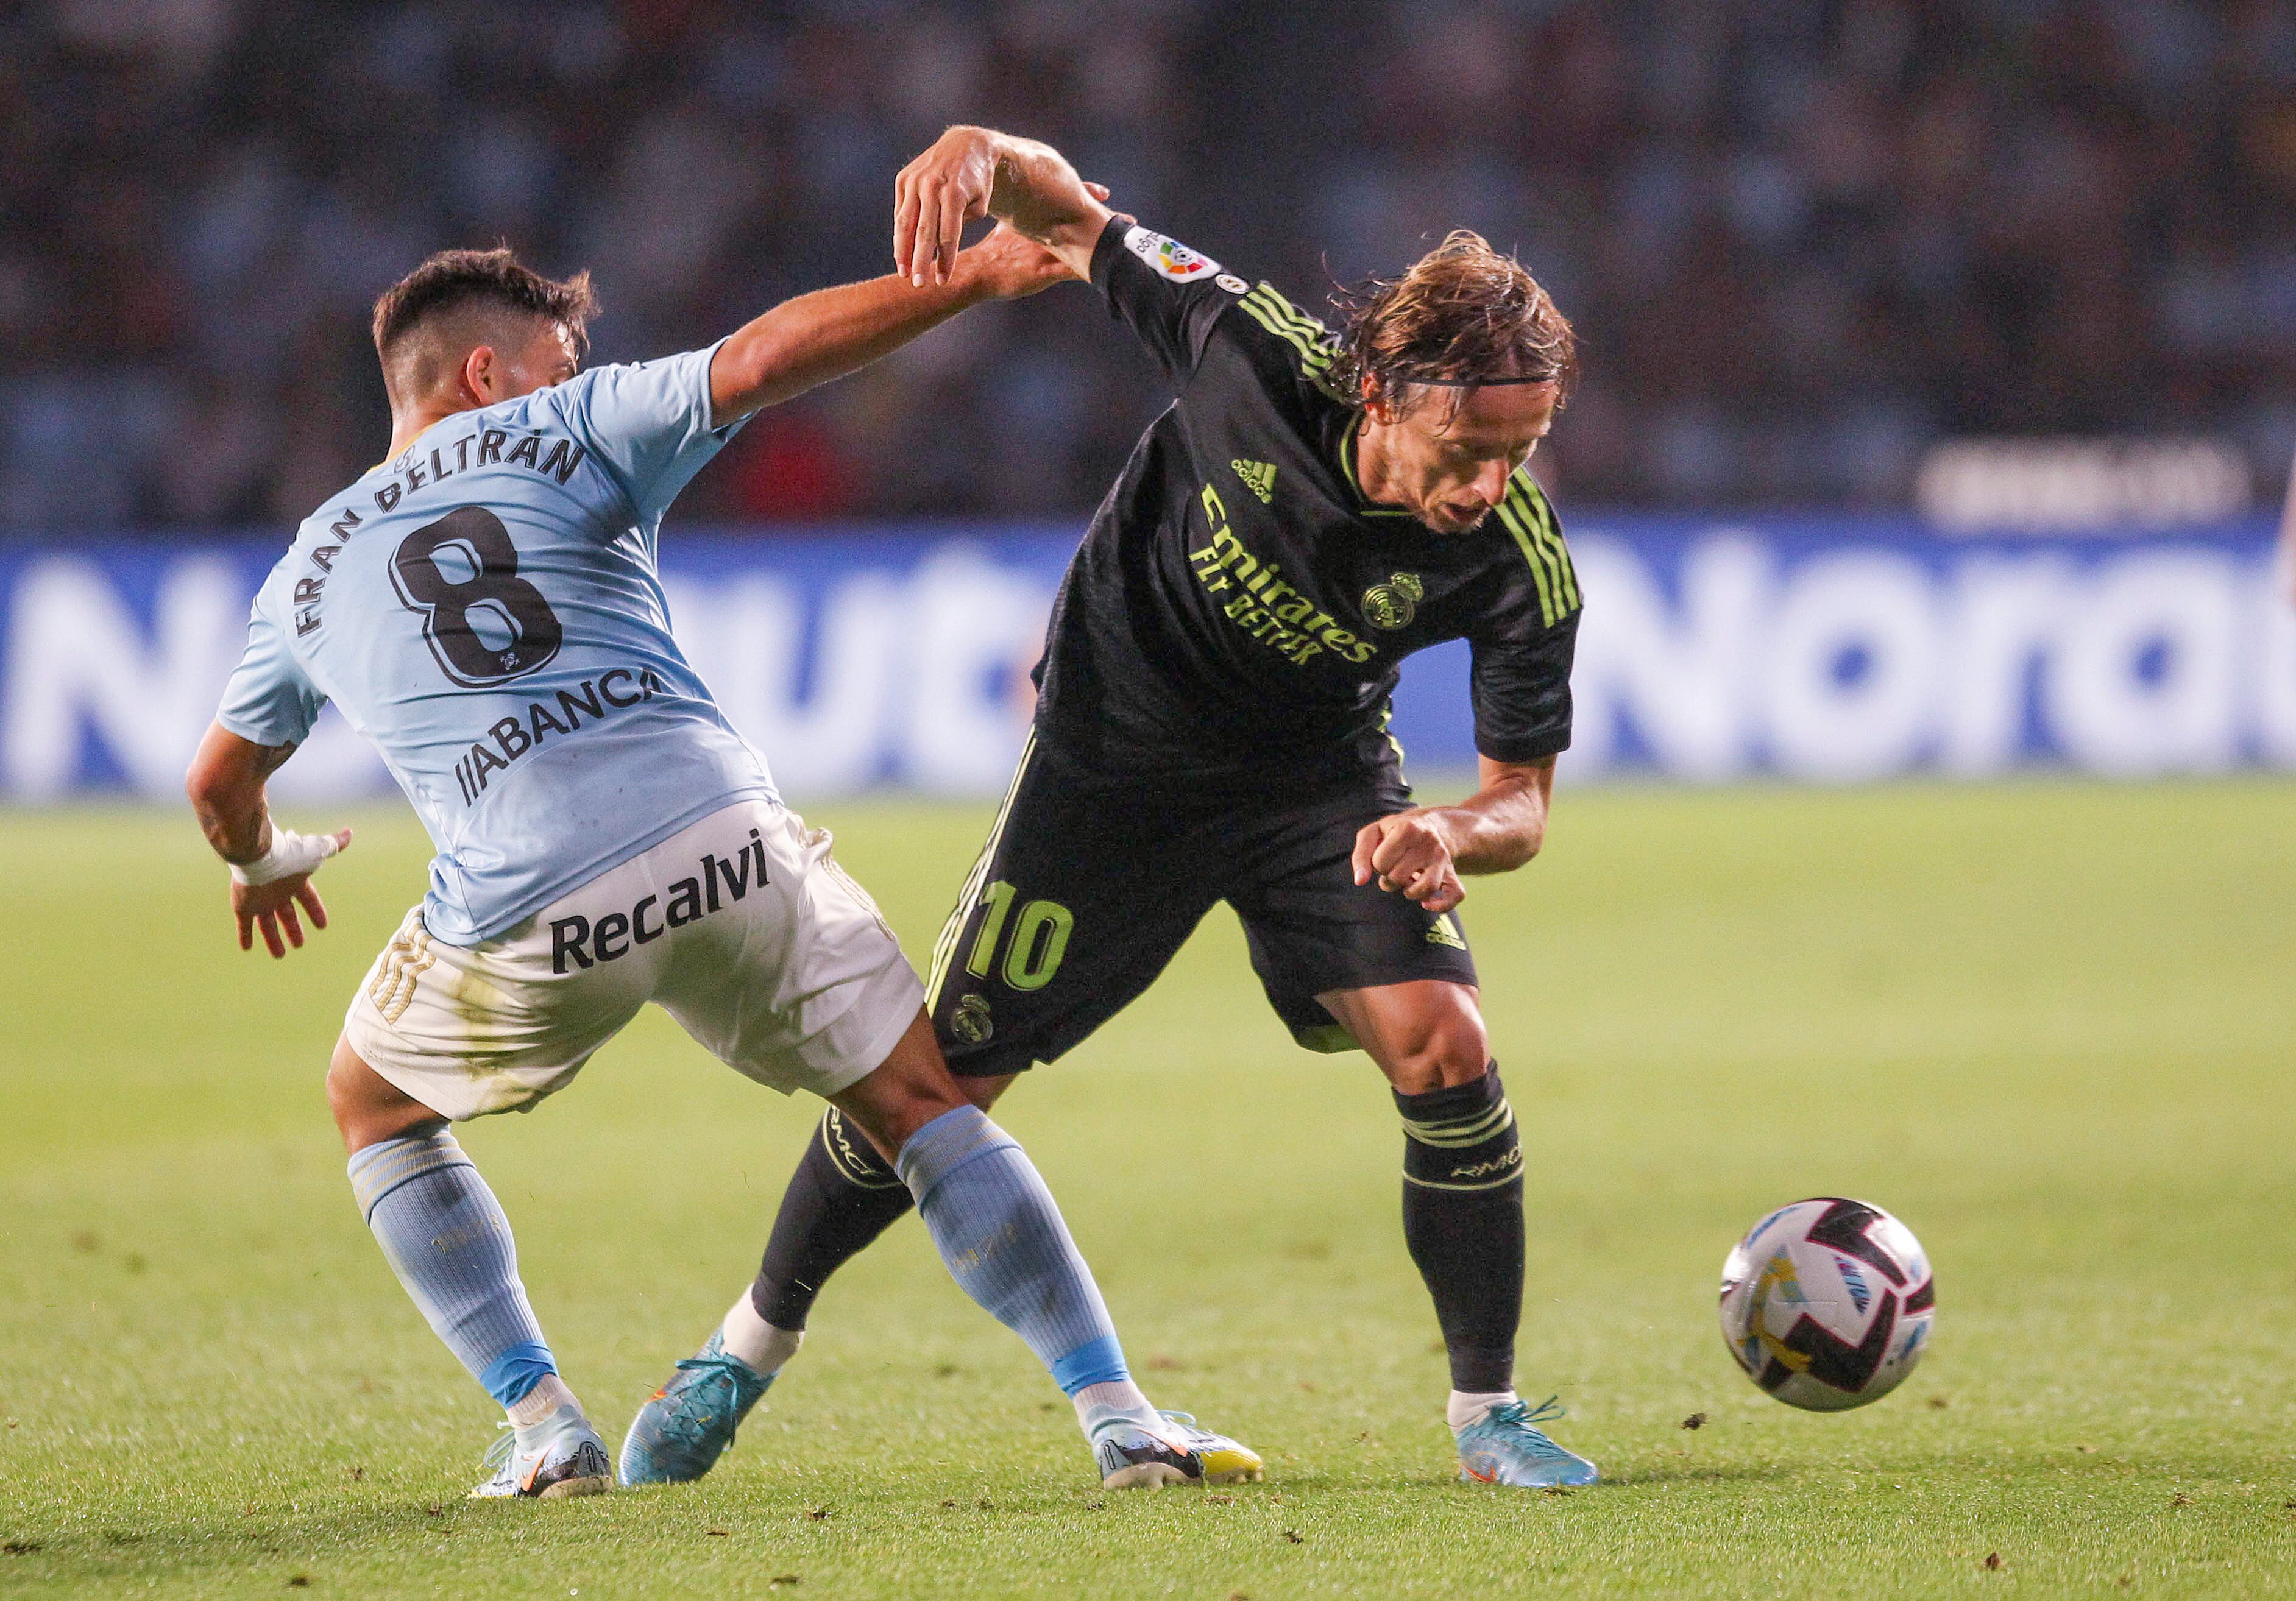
(1827, 1303)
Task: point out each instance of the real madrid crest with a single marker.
(1394, 603)
(971, 1021)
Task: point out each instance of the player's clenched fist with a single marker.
(1410, 853)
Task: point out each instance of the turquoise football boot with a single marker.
(1502, 1448)
(681, 1431)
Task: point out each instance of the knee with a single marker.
(908, 1091)
(367, 1110)
(900, 1115)
(1448, 1046)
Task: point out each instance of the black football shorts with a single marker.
(1090, 883)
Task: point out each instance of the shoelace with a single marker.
(498, 1452)
(1516, 1417)
(1111, 1428)
(685, 1429)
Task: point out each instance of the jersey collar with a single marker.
(411, 444)
(1363, 504)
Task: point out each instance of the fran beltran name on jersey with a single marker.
(510, 738)
(410, 474)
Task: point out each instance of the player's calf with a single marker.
(447, 1238)
(1462, 1184)
(1463, 1219)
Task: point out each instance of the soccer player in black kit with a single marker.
(1211, 725)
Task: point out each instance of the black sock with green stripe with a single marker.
(1463, 1220)
(842, 1195)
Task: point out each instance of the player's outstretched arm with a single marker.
(972, 172)
(271, 867)
(824, 335)
(1421, 854)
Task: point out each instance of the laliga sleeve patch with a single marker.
(1168, 257)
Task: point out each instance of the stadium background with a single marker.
(1805, 244)
(1951, 864)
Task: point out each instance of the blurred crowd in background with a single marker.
(1802, 240)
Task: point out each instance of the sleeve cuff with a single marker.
(1105, 249)
(269, 738)
(709, 354)
(1536, 748)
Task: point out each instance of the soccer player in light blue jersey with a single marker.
(484, 607)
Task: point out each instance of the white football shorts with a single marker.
(742, 926)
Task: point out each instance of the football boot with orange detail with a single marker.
(569, 1460)
(687, 1426)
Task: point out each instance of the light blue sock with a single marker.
(1005, 1243)
(447, 1238)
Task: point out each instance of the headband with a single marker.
(1472, 383)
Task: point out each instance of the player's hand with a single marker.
(1008, 267)
(934, 196)
(1409, 855)
(271, 905)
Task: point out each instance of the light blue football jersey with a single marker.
(486, 609)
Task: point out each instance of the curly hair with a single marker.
(450, 280)
(1462, 315)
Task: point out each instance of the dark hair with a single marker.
(1462, 315)
(450, 280)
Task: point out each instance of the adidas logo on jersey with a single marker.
(1260, 478)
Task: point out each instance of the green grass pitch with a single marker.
(2050, 1025)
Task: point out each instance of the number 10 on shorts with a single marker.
(1040, 937)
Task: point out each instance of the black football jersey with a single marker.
(1238, 609)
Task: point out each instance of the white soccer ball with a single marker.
(1827, 1303)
